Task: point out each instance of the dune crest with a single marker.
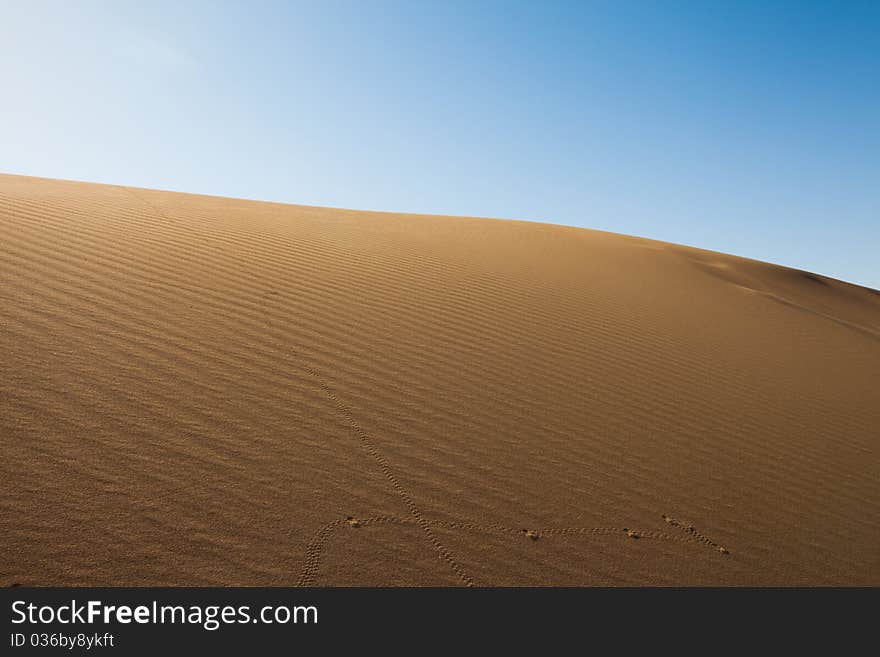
(209, 391)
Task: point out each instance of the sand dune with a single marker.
(209, 391)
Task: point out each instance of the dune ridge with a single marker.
(199, 390)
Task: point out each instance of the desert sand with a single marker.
(198, 390)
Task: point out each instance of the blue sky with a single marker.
(745, 127)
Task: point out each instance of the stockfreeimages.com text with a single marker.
(210, 617)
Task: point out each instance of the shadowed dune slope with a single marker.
(209, 391)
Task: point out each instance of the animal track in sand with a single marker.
(311, 567)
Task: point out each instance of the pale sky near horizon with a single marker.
(750, 128)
